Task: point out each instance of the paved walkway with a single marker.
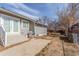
(29, 48)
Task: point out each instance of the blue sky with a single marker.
(34, 10)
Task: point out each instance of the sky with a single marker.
(35, 10)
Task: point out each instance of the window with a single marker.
(25, 24)
(15, 25)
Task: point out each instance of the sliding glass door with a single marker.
(11, 24)
(7, 25)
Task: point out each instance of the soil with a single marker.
(59, 47)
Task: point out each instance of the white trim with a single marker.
(1, 19)
(5, 42)
(18, 27)
(27, 25)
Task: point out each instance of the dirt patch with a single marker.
(54, 48)
(71, 49)
(59, 47)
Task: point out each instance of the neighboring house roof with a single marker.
(3, 10)
(39, 24)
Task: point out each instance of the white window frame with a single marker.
(27, 25)
(3, 19)
(18, 27)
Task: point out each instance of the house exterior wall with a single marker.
(20, 24)
(24, 26)
(11, 25)
(40, 30)
(24, 29)
(10, 34)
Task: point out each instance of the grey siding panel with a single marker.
(40, 30)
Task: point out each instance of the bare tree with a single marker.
(51, 25)
(68, 16)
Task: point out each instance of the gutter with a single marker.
(15, 14)
(3, 10)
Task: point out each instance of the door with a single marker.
(11, 24)
(7, 24)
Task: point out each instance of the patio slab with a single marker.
(30, 48)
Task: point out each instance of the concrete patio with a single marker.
(30, 48)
